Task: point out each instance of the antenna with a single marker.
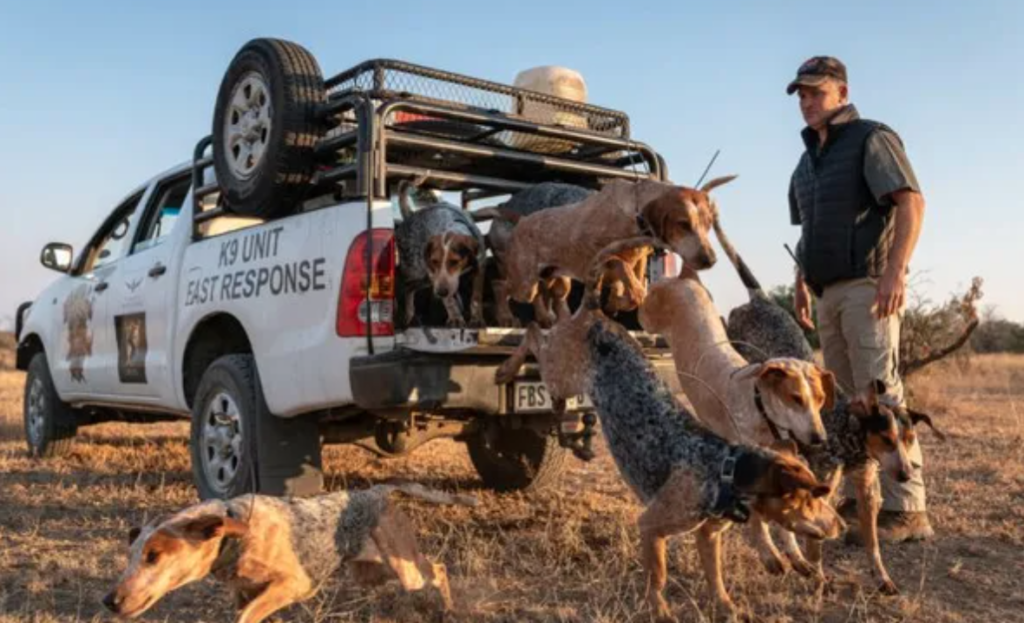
(708, 168)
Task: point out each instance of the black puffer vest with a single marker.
(846, 234)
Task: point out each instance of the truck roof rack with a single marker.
(389, 119)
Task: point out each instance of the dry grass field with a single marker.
(567, 555)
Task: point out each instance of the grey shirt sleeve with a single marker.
(886, 166)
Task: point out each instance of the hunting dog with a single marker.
(862, 434)
(274, 552)
(563, 241)
(746, 403)
(437, 244)
(760, 329)
(625, 277)
(688, 478)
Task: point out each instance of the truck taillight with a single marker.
(355, 308)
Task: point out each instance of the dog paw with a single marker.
(505, 373)
(774, 565)
(888, 587)
(804, 568)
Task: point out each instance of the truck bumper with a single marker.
(408, 380)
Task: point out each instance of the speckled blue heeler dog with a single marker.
(688, 478)
(760, 329)
(437, 244)
(273, 552)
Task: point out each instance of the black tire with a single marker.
(516, 459)
(50, 423)
(238, 446)
(279, 179)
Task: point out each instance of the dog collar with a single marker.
(759, 403)
(643, 226)
(727, 503)
(228, 552)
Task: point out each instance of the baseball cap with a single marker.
(816, 70)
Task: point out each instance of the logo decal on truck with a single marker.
(78, 318)
(130, 330)
(241, 282)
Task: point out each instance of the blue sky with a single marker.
(94, 101)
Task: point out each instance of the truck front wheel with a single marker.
(50, 424)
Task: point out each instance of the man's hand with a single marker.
(892, 293)
(802, 304)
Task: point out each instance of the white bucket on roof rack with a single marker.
(552, 80)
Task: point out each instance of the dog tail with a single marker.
(433, 496)
(592, 293)
(749, 281)
(405, 188)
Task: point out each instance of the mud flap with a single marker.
(288, 452)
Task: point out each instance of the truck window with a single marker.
(162, 213)
(110, 242)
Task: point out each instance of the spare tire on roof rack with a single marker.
(265, 128)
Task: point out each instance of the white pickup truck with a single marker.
(263, 305)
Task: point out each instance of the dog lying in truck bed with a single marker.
(564, 240)
(273, 552)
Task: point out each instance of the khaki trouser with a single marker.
(859, 348)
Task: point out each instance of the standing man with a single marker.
(860, 209)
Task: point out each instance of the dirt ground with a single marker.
(564, 555)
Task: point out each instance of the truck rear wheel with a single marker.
(238, 446)
(50, 424)
(519, 459)
(265, 128)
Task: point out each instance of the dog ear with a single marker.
(794, 476)
(428, 250)
(828, 384)
(773, 371)
(718, 181)
(133, 534)
(658, 211)
(821, 491)
(208, 527)
(785, 446)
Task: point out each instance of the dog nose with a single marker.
(817, 439)
(707, 258)
(903, 476)
(442, 291)
(112, 602)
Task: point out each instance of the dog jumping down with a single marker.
(437, 244)
(625, 277)
(564, 241)
(688, 478)
(553, 291)
(274, 552)
(748, 403)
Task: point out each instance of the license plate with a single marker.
(533, 397)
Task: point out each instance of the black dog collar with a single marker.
(727, 503)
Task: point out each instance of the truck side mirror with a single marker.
(57, 256)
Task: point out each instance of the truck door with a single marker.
(141, 306)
